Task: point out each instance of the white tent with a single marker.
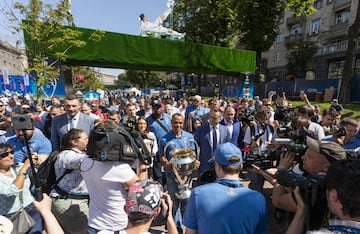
(132, 90)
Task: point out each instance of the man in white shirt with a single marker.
(156, 27)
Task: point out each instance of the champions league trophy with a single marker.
(183, 166)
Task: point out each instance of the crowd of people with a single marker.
(93, 196)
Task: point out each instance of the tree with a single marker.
(350, 58)
(45, 26)
(84, 79)
(299, 56)
(252, 23)
(206, 21)
(144, 79)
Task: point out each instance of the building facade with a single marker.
(327, 27)
(12, 58)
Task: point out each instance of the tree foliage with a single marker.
(258, 23)
(299, 56)
(221, 22)
(206, 21)
(143, 79)
(84, 79)
(350, 58)
(45, 27)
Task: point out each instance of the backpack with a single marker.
(46, 173)
(117, 144)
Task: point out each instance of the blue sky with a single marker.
(119, 16)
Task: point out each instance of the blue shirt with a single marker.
(353, 143)
(9, 193)
(182, 142)
(199, 111)
(157, 129)
(226, 207)
(38, 144)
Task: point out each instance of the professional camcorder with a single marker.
(268, 158)
(311, 186)
(263, 158)
(130, 123)
(247, 116)
(284, 114)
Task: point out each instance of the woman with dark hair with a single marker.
(15, 188)
(70, 195)
(142, 127)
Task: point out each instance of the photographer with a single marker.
(342, 192)
(40, 146)
(316, 161)
(259, 135)
(346, 134)
(327, 121)
(308, 112)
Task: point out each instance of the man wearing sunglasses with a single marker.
(40, 146)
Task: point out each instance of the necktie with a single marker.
(72, 123)
(214, 135)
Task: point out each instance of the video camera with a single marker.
(266, 158)
(130, 123)
(246, 116)
(284, 114)
(311, 186)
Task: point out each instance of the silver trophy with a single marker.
(183, 166)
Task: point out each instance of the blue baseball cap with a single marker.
(224, 152)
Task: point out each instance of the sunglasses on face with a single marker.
(4, 155)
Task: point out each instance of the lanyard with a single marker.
(228, 184)
(344, 229)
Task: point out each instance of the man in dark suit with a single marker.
(205, 135)
(73, 118)
(232, 124)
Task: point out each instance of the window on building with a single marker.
(357, 65)
(336, 69)
(281, 18)
(279, 38)
(318, 4)
(276, 57)
(342, 16)
(296, 29)
(315, 26)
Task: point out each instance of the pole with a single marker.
(38, 191)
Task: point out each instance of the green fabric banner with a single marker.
(145, 53)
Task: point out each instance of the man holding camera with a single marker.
(316, 161)
(342, 192)
(259, 135)
(346, 134)
(39, 145)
